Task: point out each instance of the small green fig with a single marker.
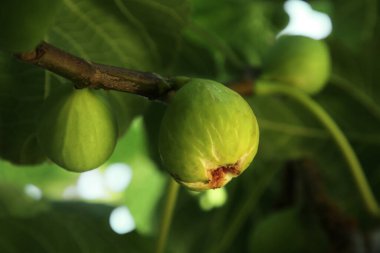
(23, 149)
(298, 61)
(209, 134)
(290, 231)
(77, 129)
(152, 121)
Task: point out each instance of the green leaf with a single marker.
(122, 33)
(354, 22)
(147, 180)
(22, 89)
(247, 34)
(84, 227)
(23, 24)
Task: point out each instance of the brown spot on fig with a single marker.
(218, 176)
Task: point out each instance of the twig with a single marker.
(86, 74)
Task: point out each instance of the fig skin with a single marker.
(77, 129)
(298, 61)
(209, 134)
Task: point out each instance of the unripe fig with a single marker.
(23, 149)
(77, 129)
(298, 61)
(152, 121)
(288, 231)
(208, 135)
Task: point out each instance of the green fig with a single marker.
(24, 149)
(298, 61)
(23, 24)
(288, 231)
(152, 121)
(77, 129)
(209, 134)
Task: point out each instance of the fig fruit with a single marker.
(290, 231)
(77, 129)
(298, 61)
(152, 121)
(23, 24)
(209, 134)
(23, 149)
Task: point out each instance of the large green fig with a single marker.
(288, 231)
(298, 61)
(23, 24)
(77, 129)
(208, 135)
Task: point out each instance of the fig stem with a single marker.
(85, 74)
(167, 216)
(271, 88)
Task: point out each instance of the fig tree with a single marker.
(298, 61)
(209, 134)
(77, 129)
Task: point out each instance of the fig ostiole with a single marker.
(209, 135)
(298, 61)
(77, 129)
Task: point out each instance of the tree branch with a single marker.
(86, 74)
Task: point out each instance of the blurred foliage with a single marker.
(219, 40)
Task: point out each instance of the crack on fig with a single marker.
(218, 175)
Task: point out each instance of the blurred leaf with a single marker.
(22, 34)
(122, 33)
(126, 107)
(354, 22)
(51, 179)
(147, 180)
(249, 33)
(13, 201)
(161, 22)
(22, 93)
(195, 59)
(84, 228)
